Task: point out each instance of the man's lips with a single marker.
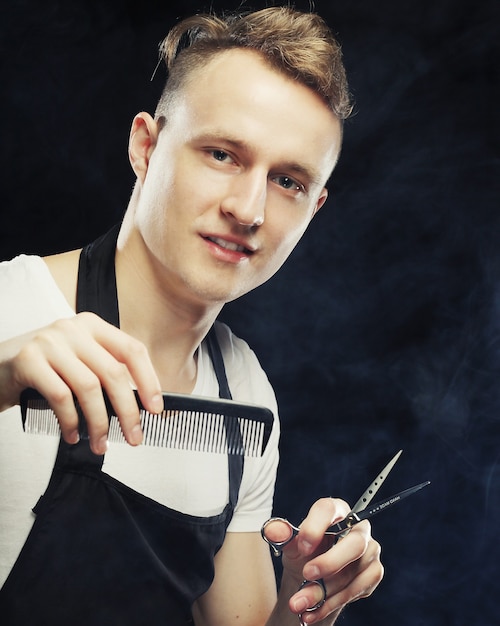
(228, 244)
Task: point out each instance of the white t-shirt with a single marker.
(191, 482)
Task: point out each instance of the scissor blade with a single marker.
(354, 518)
(384, 504)
(369, 494)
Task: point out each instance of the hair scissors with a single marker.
(360, 511)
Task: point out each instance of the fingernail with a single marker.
(135, 436)
(300, 605)
(305, 547)
(311, 572)
(73, 437)
(157, 403)
(102, 445)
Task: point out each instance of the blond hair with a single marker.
(297, 44)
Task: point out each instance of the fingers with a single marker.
(80, 356)
(349, 549)
(323, 513)
(358, 579)
(134, 356)
(361, 586)
(349, 568)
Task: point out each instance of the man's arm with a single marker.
(244, 587)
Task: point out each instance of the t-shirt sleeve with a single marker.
(29, 296)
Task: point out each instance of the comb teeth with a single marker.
(198, 432)
(187, 423)
(40, 419)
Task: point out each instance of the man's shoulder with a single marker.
(231, 345)
(30, 296)
(247, 379)
(22, 273)
(64, 270)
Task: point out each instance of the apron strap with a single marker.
(96, 290)
(235, 462)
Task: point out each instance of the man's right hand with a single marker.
(79, 357)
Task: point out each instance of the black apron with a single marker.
(100, 553)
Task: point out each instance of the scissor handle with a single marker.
(278, 545)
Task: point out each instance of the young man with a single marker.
(230, 171)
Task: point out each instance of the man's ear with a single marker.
(321, 200)
(142, 142)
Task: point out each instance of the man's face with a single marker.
(236, 175)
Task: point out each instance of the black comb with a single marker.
(187, 422)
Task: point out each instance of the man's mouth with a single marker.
(229, 245)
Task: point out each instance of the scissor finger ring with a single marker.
(321, 584)
(292, 532)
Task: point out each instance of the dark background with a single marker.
(383, 330)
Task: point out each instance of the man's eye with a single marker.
(220, 155)
(287, 183)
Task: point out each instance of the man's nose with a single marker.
(245, 199)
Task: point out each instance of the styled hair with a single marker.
(297, 44)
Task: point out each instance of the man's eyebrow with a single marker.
(216, 135)
(311, 174)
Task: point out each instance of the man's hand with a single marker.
(349, 569)
(78, 357)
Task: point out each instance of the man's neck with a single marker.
(171, 327)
